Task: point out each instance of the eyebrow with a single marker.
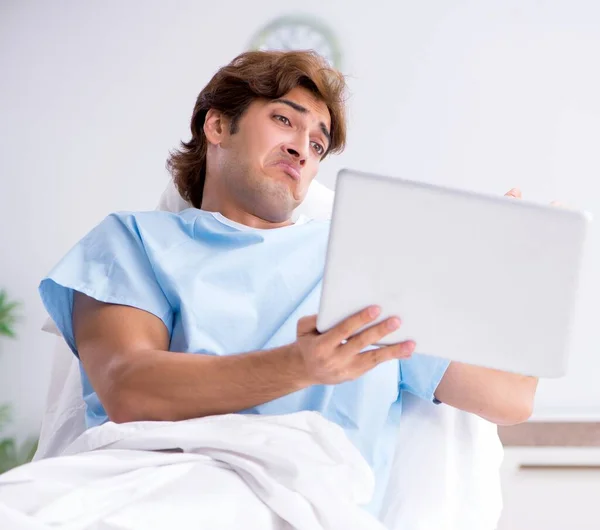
(304, 110)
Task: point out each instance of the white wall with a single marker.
(483, 95)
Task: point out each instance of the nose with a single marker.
(297, 151)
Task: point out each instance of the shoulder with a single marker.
(154, 221)
(154, 231)
(322, 229)
(318, 225)
(306, 232)
(153, 218)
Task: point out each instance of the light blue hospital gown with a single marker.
(223, 288)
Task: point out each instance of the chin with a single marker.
(272, 201)
(276, 208)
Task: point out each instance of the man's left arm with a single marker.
(500, 397)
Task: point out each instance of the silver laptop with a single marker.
(485, 280)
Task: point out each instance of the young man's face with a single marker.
(267, 165)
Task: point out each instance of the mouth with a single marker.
(289, 170)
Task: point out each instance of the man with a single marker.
(212, 311)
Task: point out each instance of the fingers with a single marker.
(515, 192)
(369, 359)
(371, 336)
(351, 325)
(307, 325)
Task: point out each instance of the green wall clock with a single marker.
(299, 33)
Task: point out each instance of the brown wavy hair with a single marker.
(249, 76)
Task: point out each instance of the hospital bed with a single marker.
(445, 473)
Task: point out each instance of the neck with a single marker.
(219, 201)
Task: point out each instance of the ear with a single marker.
(216, 127)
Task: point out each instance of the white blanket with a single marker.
(227, 472)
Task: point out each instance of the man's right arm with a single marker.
(124, 352)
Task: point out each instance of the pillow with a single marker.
(317, 204)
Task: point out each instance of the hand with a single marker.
(516, 193)
(329, 361)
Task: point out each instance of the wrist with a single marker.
(297, 367)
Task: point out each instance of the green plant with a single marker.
(8, 315)
(11, 455)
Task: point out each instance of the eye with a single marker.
(282, 119)
(319, 148)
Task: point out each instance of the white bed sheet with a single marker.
(234, 471)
